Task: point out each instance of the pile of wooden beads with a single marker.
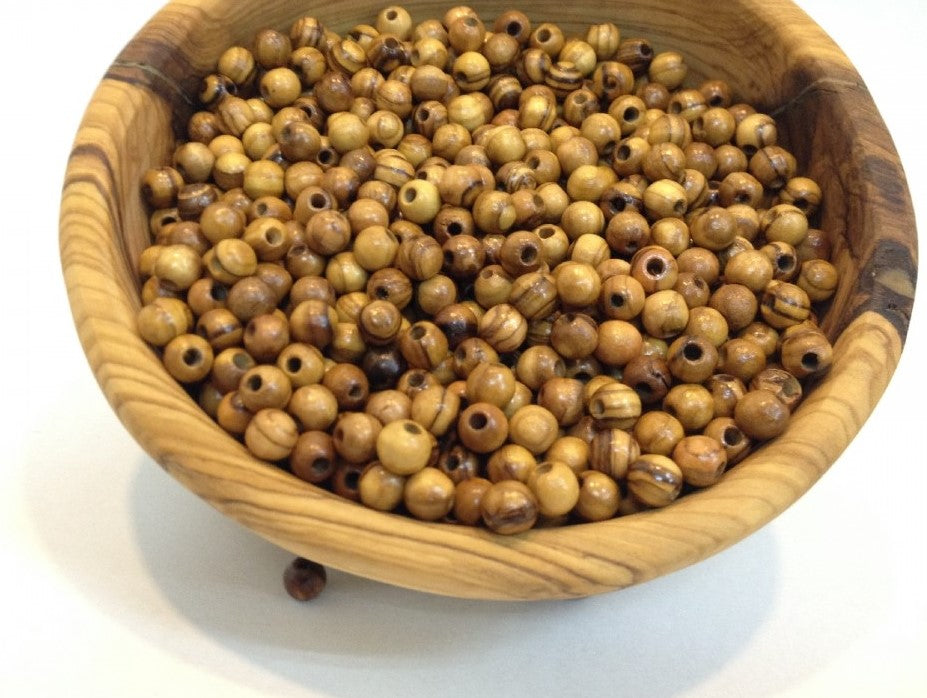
(492, 276)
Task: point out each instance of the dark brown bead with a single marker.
(649, 376)
(459, 464)
(303, 579)
(383, 365)
(456, 322)
(348, 384)
(463, 256)
(313, 457)
(345, 480)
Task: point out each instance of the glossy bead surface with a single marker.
(654, 480)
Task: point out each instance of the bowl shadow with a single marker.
(359, 634)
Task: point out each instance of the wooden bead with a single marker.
(348, 384)
(355, 437)
(761, 415)
(578, 284)
(654, 480)
(420, 257)
(562, 397)
(658, 432)
(537, 364)
(599, 496)
(784, 259)
(725, 431)
(611, 451)
(806, 354)
(468, 497)
(265, 336)
(692, 359)
(574, 335)
(654, 268)
(533, 427)
(379, 322)
(313, 457)
(555, 487)
(482, 427)
(510, 462)
(713, 228)
(665, 314)
(503, 328)
(781, 383)
(314, 406)
(752, 269)
(379, 488)
(702, 460)
(471, 352)
(742, 358)
(429, 494)
(621, 297)
(649, 376)
(404, 447)
(493, 383)
(616, 406)
(707, 323)
(736, 303)
(570, 450)
(509, 507)
(464, 256)
(271, 434)
(163, 319)
(435, 408)
(264, 386)
(784, 304)
(188, 358)
(691, 404)
(818, 278)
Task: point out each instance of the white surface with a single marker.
(118, 582)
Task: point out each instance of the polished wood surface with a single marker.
(773, 56)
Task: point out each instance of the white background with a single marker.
(115, 581)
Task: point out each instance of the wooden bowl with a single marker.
(772, 54)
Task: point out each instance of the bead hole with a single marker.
(381, 292)
(454, 228)
(412, 428)
(218, 292)
(391, 42)
(254, 383)
(318, 201)
(597, 409)
(355, 392)
(417, 332)
(391, 14)
(294, 364)
(810, 361)
(679, 207)
(192, 357)
(732, 436)
(544, 35)
(656, 267)
(321, 465)
(528, 255)
(452, 462)
(631, 114)
(478, 421)
(646, 392)
(409, 194)
(616, 300)
(513, 28)
(416, 380)
(273, 236)
(692, 352)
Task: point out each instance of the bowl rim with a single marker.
(577, 560)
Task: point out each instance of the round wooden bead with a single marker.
(380, 488)
(650, 377)
(806, 354)
(312, 322)
(538, 364)
(314, 406)
(313, 457)
(818, 278)
(599, 496)
(761, 415)
(493, 383)
(345, 480)
(271, 434)
(379, 322)
(570, 450)
(265, 386)
(348, 384)
(510, 462)
(457, 322)
(574, 335)
(736, 303)
(459, 464)
(265, 336)
(188, 358)
(658, 432)
(533, 294)
(780, 383)
(503, 328)
(389, 405)
(616, 406)
(429, 494)
(468, 497)
(784, 304)
(482, 427)
(692, 359)
(691, 404)
(742, 358)
(420, 257)
(654, 480)
(404, 447)
(621, 297)
(355, 437)
(619, 342)
(611, 451)
(562, 397)
(702, 459)
(509, 507)
(725, 430)
(533, 427)
(555, 487)
(665, 314)
(726, 390)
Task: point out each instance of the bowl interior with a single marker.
(773, 56)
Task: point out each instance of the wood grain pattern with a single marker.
(768, 50)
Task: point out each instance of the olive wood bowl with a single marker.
(774, 57)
